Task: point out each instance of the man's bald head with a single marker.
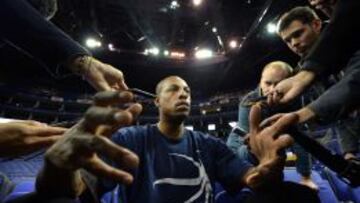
(160, 84)
(272, 74)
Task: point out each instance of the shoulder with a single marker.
(250, 96)
(132, 133)
(206, 139)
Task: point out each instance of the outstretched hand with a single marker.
(266, 144)
(290, 88)
(80, 146)
(102, 76)
(22, 137)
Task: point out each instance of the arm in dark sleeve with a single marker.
(235, 140)
(338, 42)
(340, 99)
(23, 27)
(230, 169)
(244, 117)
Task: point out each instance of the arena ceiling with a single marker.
(150, 39)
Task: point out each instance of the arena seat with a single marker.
(20, 189)
(326, 194)
(343, 191)
(355, 194)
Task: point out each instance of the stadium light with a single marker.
(233, 44)
(203, 53)
(197, 2)
(211, 127)
(189, 127)
(92, 43)
(154, 51)
(174, 5)
(111, 47)
(271, 28)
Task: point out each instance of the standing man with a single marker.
(300, 29)
(272, 74)
(338, 48)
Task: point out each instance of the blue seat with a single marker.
(355, 194)
(326, 194)
(21, 189)
(341, 189)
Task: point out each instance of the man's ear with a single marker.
(156, 102)
(317, 25)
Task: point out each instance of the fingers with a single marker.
(107, 98)
(99, 168)
(135, 110)
(96, 116)
(33, 123)
(40, 142)
(282, 123)
(122, 85)
(122, 156)
(46, 131)
(287, 97)
(254, 118)
(284, 141)
(108, 130)
(270, 120)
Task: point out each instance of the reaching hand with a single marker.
(22, 137)
(304, 114)
(290, 88)
(266, 144)
(80, 146)
(103, 77)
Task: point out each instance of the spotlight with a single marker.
(271, 28)
(166, 53)
(211, 127)
(111, 47)
(92, 43)
(214, 29)
(154, 51)
(197, 2)
(203, 53)
(176, 54)
(174, 5)
(233, 44)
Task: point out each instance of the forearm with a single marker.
(337, 42)
(55, 182)
(305, 114)
(41, 38)
(340, 99)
